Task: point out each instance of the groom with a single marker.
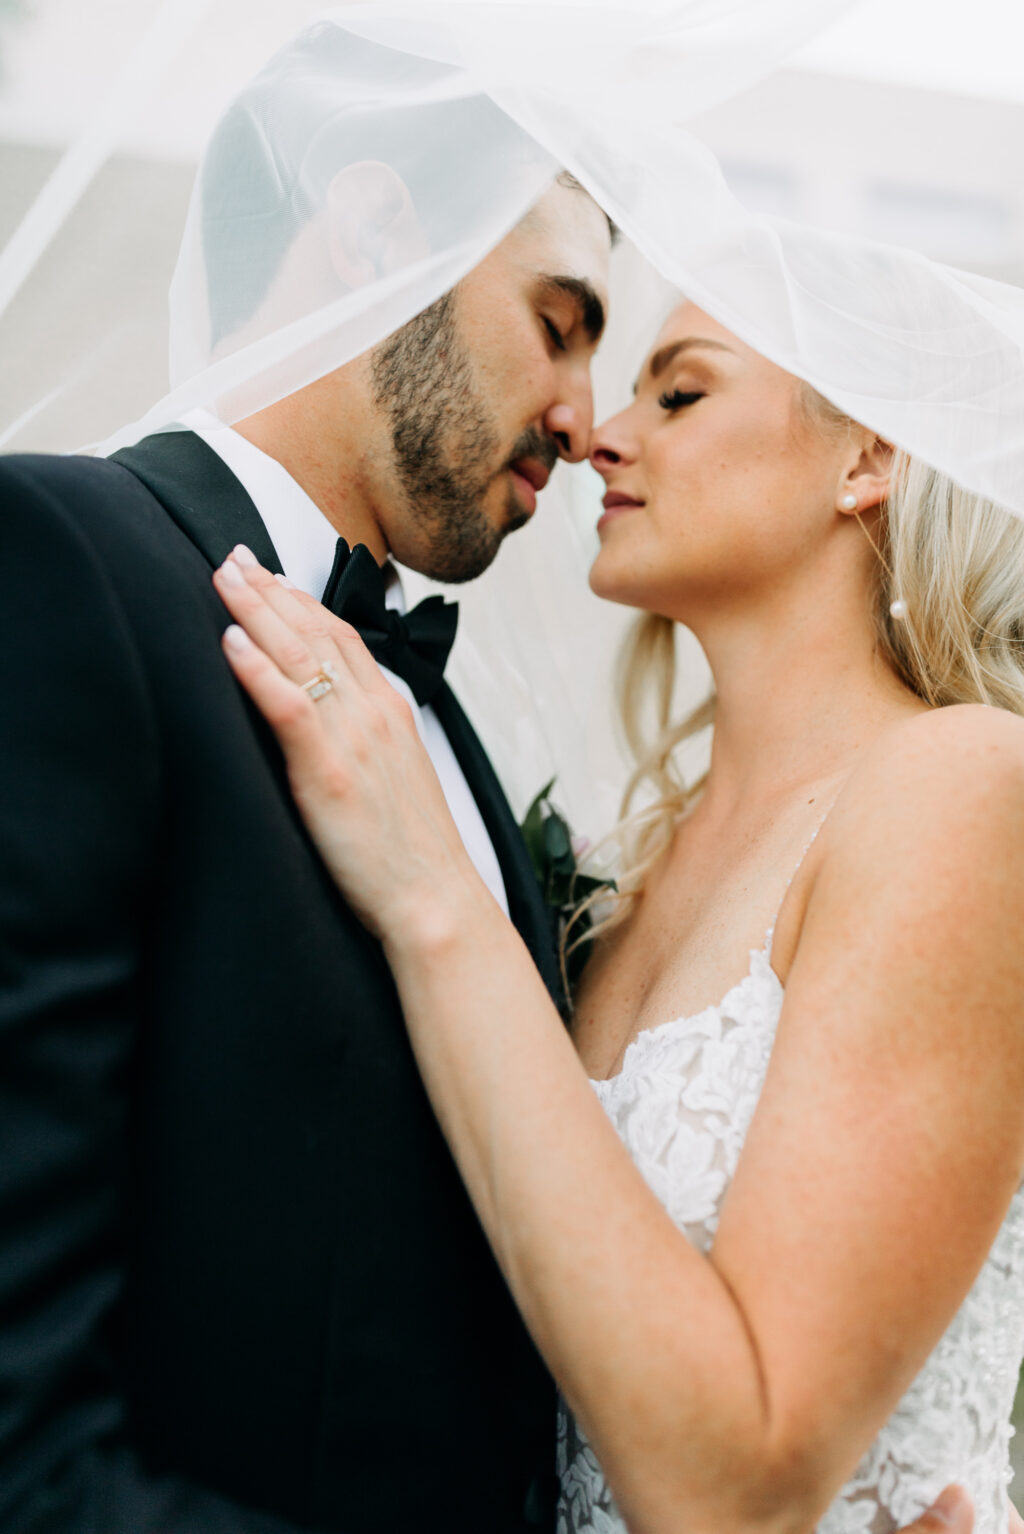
(241, 1288)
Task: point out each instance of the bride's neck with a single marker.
(800, 695)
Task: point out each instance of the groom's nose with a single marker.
(569, 422)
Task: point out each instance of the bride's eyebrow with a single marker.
(668, 354)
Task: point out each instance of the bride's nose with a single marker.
(610, 447)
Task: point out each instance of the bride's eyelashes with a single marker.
(675, 399)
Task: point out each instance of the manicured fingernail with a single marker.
(237, 639)
(244, 556)
(286, 582)
(230, 574)
(952, 1508)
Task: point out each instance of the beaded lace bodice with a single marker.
(682, 1104)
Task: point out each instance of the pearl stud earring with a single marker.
(898, 609)
(849, 503)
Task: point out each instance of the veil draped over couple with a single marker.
(352, 1182)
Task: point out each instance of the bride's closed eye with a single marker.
(675, 399)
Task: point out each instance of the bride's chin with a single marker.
(600, 583)
(615, 587)
(615, 579)
(633, 588)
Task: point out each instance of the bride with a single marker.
(796, 1068)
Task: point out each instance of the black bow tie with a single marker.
(413, 645)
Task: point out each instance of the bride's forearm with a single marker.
(643, 1334)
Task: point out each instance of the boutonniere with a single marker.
(554, 854)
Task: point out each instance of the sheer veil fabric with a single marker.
(381, 153)
(402, 142)
(428, 128)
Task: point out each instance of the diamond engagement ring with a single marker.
(320, 685)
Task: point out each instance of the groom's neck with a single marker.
(325, 437)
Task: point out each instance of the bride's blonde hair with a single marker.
(954, 558)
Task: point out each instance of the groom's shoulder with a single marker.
(60, 480)
(74, 500)
(88, 534)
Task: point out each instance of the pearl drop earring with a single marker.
(897, 609)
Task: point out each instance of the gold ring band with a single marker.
(320, 685)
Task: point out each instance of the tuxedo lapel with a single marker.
(526, 905)
(201, 494)
(208, 503)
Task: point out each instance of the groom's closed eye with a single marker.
(555, 334)
(579, 300)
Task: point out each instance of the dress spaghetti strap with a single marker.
(770, 934)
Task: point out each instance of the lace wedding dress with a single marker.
(682, 1104)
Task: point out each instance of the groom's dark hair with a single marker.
(567, 179)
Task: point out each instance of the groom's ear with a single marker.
(373, 227)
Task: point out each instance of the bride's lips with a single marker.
(615, 503)
(529, 477)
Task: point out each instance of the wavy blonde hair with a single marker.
(954, 558)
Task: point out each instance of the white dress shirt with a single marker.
(305, 542)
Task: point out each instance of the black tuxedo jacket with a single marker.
(242, 1290)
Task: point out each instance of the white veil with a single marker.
(425, 130)
(433, 125)
(387, 147)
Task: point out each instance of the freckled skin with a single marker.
(733, 484)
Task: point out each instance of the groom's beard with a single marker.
(446, 444)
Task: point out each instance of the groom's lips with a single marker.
(529, 477)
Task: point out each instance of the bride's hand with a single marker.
(953, 1513)
(361, 777)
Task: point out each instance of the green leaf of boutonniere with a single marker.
(550, 845)
(533, 828)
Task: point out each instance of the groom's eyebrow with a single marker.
(584, 296)
(668, 354)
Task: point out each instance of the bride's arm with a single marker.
(737, 1391)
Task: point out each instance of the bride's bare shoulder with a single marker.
(946, 750)
(917, 889)
(944, 787)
